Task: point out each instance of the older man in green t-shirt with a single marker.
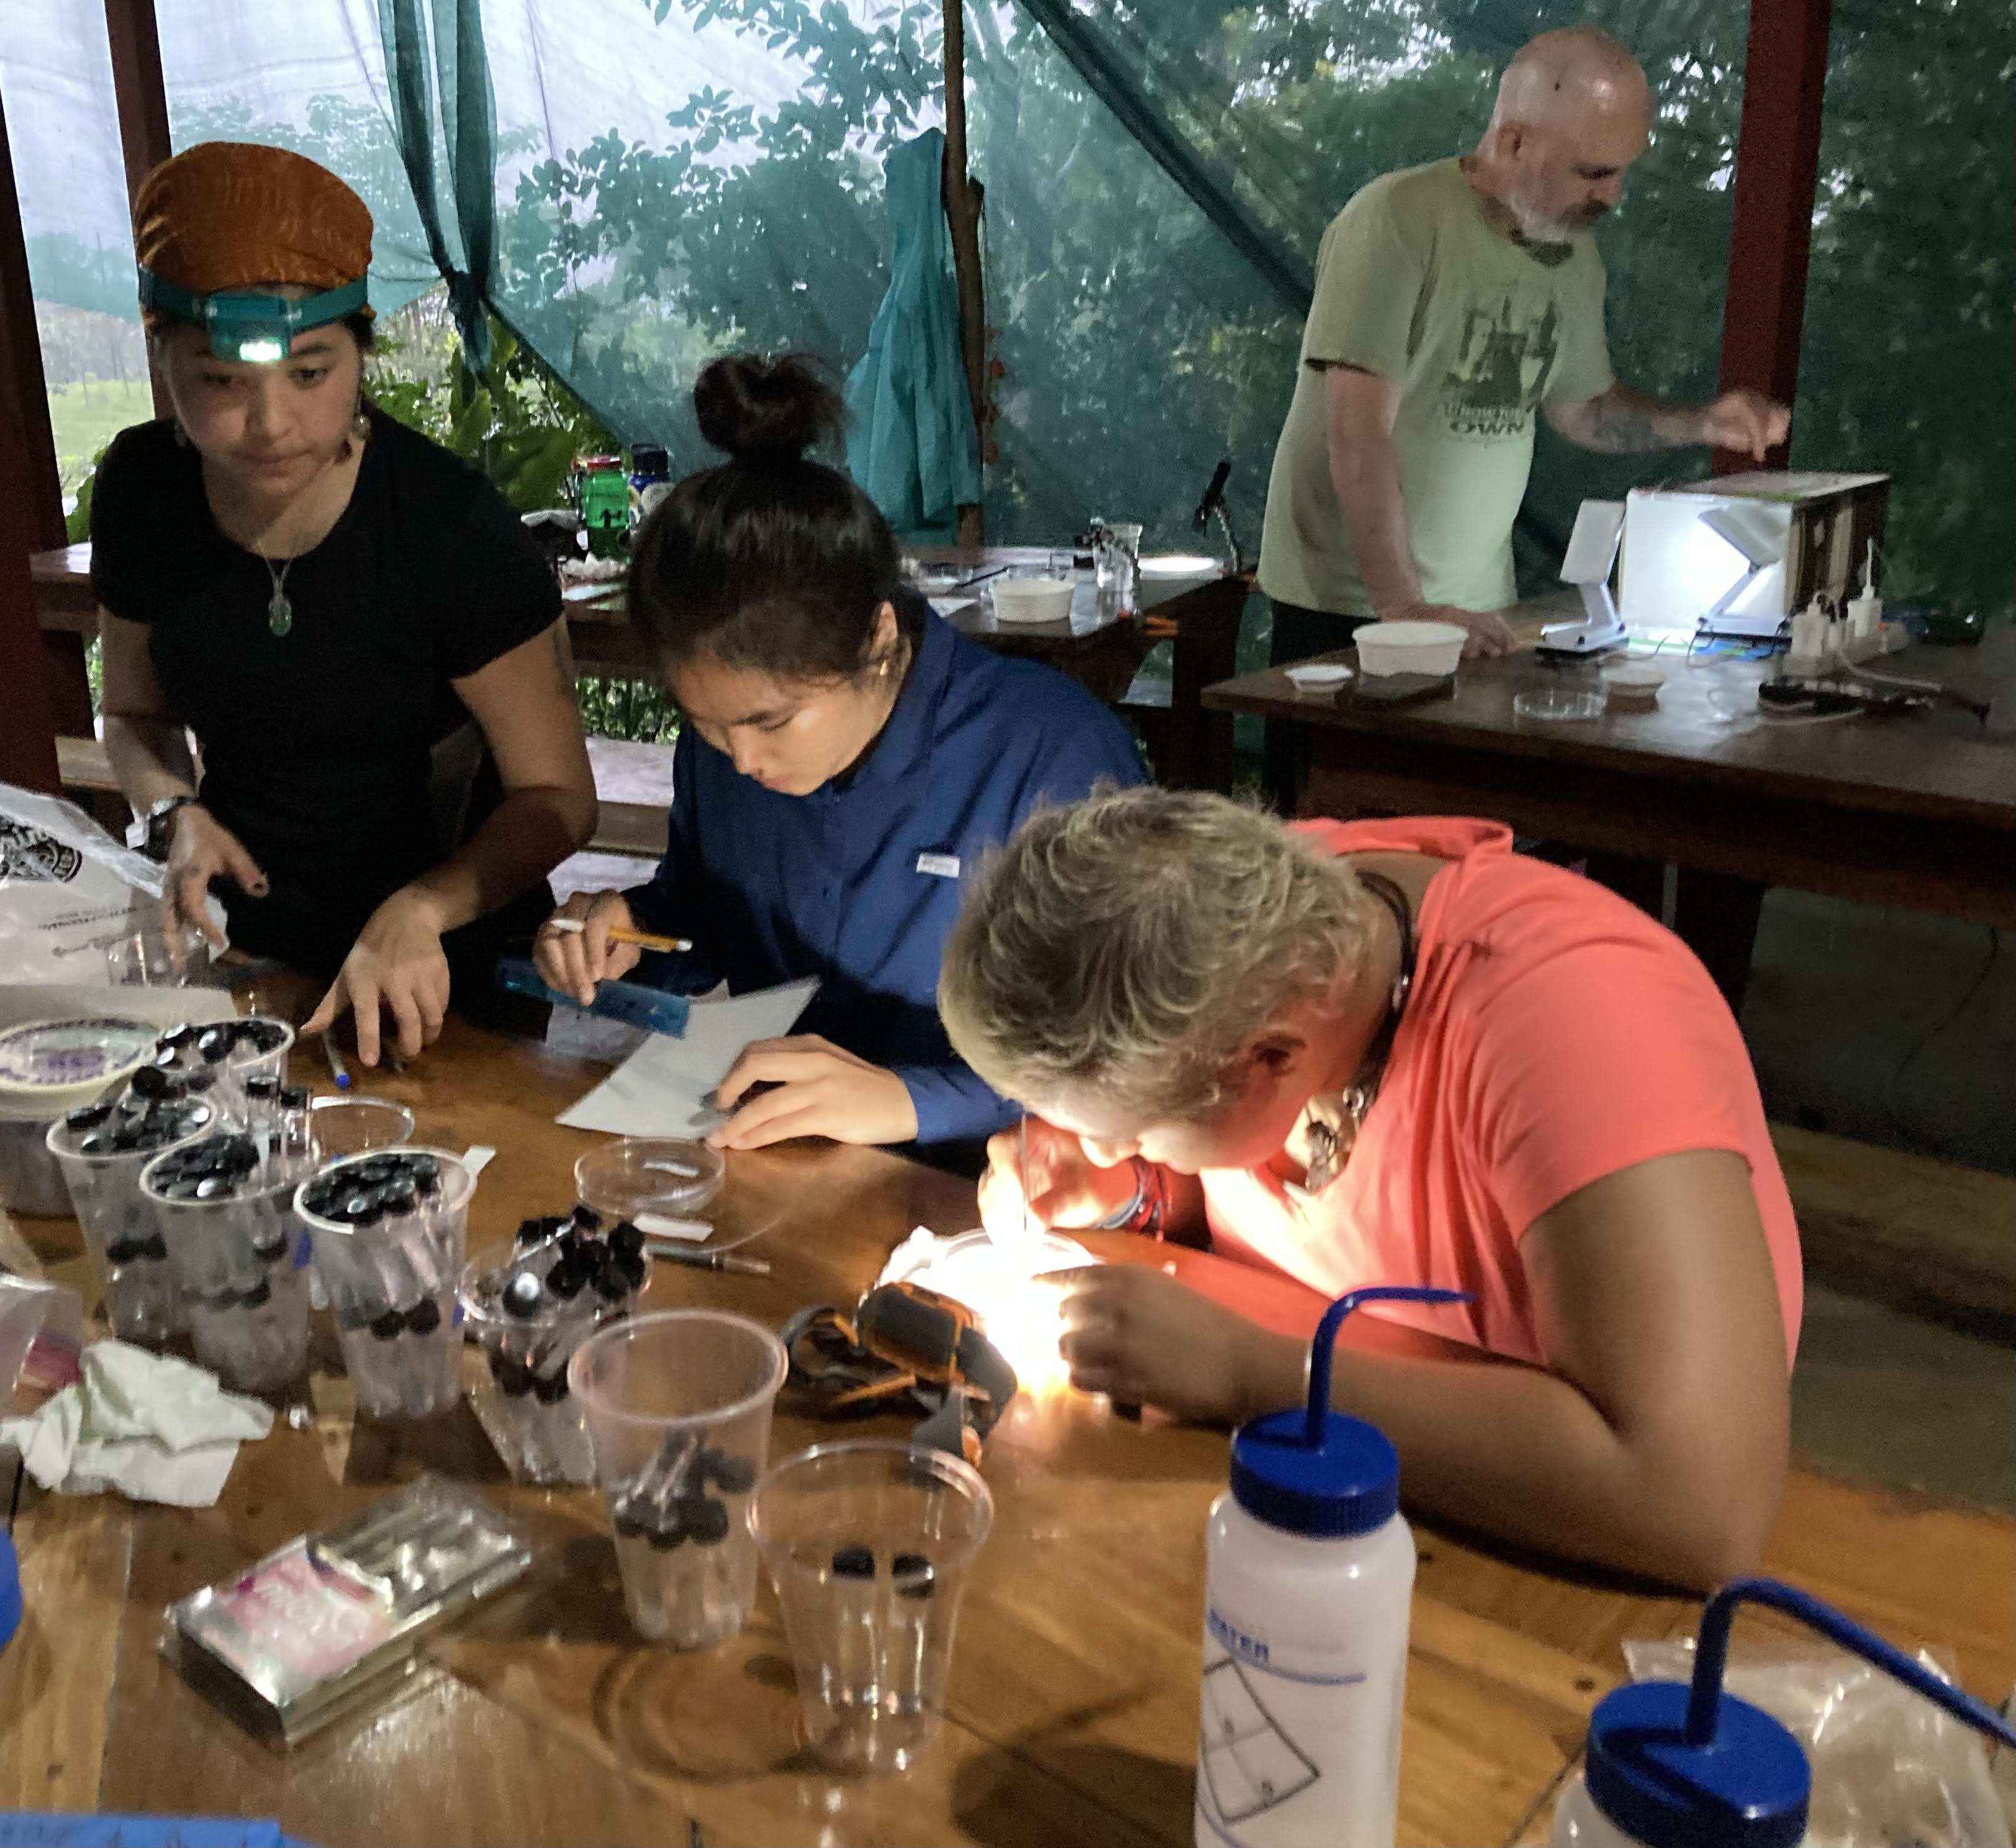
(1452, 301)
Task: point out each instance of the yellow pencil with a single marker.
(621, 933)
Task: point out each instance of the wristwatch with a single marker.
(159, 818)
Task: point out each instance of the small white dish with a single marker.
(1318, 677)
(1633, 686)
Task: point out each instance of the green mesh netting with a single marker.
(672, 178)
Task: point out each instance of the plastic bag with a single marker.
(1888, 1766)
(67, 888)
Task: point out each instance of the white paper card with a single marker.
(657, 1225)
(658, 1090)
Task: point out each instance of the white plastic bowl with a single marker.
(1318, 677)
(1032, 599)
(1410, 648)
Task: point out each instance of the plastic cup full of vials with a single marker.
(102, 1149)
(230, 1053)
(868, 1544)
(679, 1410)
(388, 1229)
(530, 1306)
(224, 1202)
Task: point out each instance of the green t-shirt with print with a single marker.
(1478, 330)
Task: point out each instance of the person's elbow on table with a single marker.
(1656, 1299)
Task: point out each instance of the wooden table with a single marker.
(1191, 747)
(1919, 812)
(1073, 1704)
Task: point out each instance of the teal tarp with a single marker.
(913, 447)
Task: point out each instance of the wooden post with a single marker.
(31, 509)
(142, 98)
(1777, 165)
(962, 206)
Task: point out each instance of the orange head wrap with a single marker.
(231, 214)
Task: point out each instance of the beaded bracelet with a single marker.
(1144, 1212)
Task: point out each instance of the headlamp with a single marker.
(257, 329)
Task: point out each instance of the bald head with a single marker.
(1573, 112)
(1560, 78)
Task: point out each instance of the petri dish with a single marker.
(1558, 705)
(648, 1179)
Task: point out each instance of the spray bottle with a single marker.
(1669, 1766)
(1308, 1575)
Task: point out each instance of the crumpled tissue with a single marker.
(153, 1427)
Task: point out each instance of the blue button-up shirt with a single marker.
(858, 883)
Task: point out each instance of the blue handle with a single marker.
(631, 1002)
(1712, 1654)
(1318, 1413)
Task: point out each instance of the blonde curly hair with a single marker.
(1133, 943)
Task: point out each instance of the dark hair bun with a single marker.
(769, 410)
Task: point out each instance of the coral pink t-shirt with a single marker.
(1555, 1034)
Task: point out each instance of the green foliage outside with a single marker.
(514, 420)
(87, 415)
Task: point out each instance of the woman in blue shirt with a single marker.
(844, 757)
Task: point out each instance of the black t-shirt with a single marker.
(316, 744)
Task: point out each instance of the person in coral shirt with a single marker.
(1397, 1052)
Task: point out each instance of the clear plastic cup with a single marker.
(122, 1227)
(868, 1544)
(31, 1179)
(158, 959)
(240, 1258)
(679, 1412)
(340, 1125)
(521, 1398)
(390, 1256)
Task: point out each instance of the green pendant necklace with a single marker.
(279, 611)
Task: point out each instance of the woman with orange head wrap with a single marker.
(322, 598)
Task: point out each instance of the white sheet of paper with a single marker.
(658, 1091)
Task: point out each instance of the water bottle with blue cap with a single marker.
(1308, 1575)
(1672, 1765)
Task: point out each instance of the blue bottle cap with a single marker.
(1747, 1787)
(1690, 1766)
(1312, 1470)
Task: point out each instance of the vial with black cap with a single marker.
(1671, 1764)
(1308, 1573)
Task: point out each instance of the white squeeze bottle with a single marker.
(1674, 1765)
(1308, 1571)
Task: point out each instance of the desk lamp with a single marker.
(1748, 531)
(1592, 552)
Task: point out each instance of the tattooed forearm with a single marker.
(1622, 429)
(1623, 422)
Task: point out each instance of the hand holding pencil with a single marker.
(593, 938)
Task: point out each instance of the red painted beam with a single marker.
(1777, 167)
(27, 447)
(142, 99)
(31, 498)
